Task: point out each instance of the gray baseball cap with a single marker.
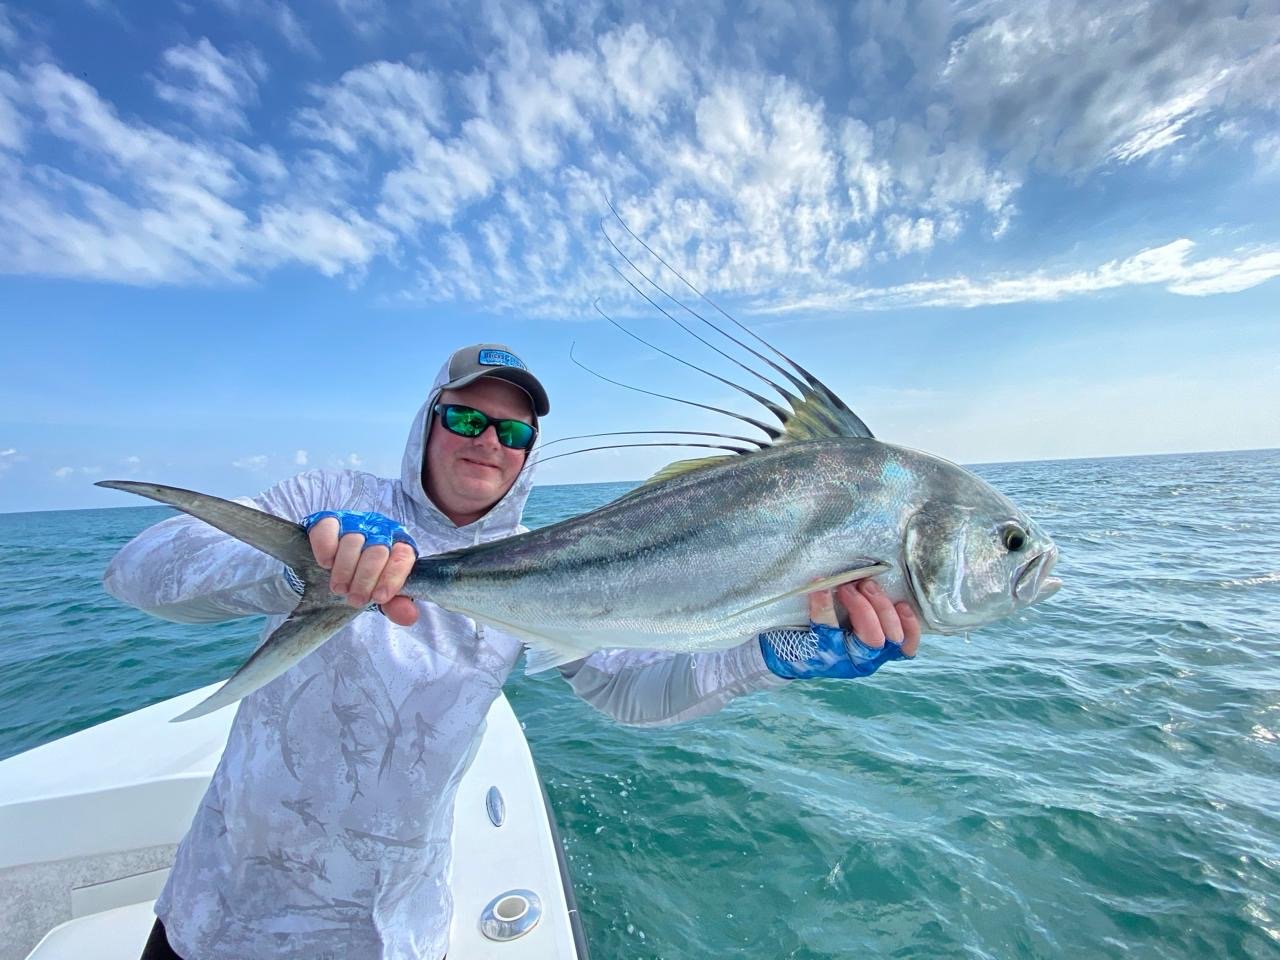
(495, 360)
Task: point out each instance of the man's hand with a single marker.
(365, 572)
(880, 631)
(872, 616)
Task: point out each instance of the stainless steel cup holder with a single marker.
(511, 915)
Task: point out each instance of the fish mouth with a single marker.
(1033, 582)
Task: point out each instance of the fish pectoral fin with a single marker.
(871, 568)
(310, 624)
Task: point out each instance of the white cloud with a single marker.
(63, 472)
(278, 15)
(8, 457)
(1169, 266)
(8, 33)
(352, 461)
(905, 235)
(367, 16)
(317, 238)
(300, 458)
(1071, 84)
(168, 211)
(389, 105)
(644, 71)
(75, 113)
(213, 87)
(13, 127)
(1267, 152)
(254, 463)
(1227, 274)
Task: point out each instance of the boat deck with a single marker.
(89, 825)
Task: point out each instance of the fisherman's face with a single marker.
(466, 476)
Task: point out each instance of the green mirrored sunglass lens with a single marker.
(468, 423)
(513, 433)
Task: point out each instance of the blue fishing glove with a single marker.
(376, 529)
(795, 653)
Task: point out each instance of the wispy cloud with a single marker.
(279, 16)
(1267, 151)
(255, 463)
(300, 458)
(61, 473)
(1071, 85)
(8, 34)
(13, 126)
(8, 457)
(1169, 266)
(212, 87)
(173, 212)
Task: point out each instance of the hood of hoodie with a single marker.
(501, 520)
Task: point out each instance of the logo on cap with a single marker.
(500, 358)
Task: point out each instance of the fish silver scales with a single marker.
(686, 565)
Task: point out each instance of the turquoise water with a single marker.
(1097, 778)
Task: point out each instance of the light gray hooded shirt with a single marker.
(325, 829)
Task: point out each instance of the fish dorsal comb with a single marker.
(819, 413)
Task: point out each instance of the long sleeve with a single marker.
(182, 569)
(647, 688)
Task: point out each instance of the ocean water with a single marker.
(1097, 778)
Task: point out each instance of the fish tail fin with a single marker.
(318, 615)
(283, 539)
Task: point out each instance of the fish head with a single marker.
(976, 558)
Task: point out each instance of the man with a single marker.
(325, 829)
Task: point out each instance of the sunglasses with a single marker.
(470, 422)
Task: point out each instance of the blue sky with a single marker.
(238, 237)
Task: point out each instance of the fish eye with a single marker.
(1014, 538)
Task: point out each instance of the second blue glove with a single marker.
(823, 651)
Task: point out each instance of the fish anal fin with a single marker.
(870, 568)
(538, 658)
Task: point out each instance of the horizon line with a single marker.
(597, 483)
